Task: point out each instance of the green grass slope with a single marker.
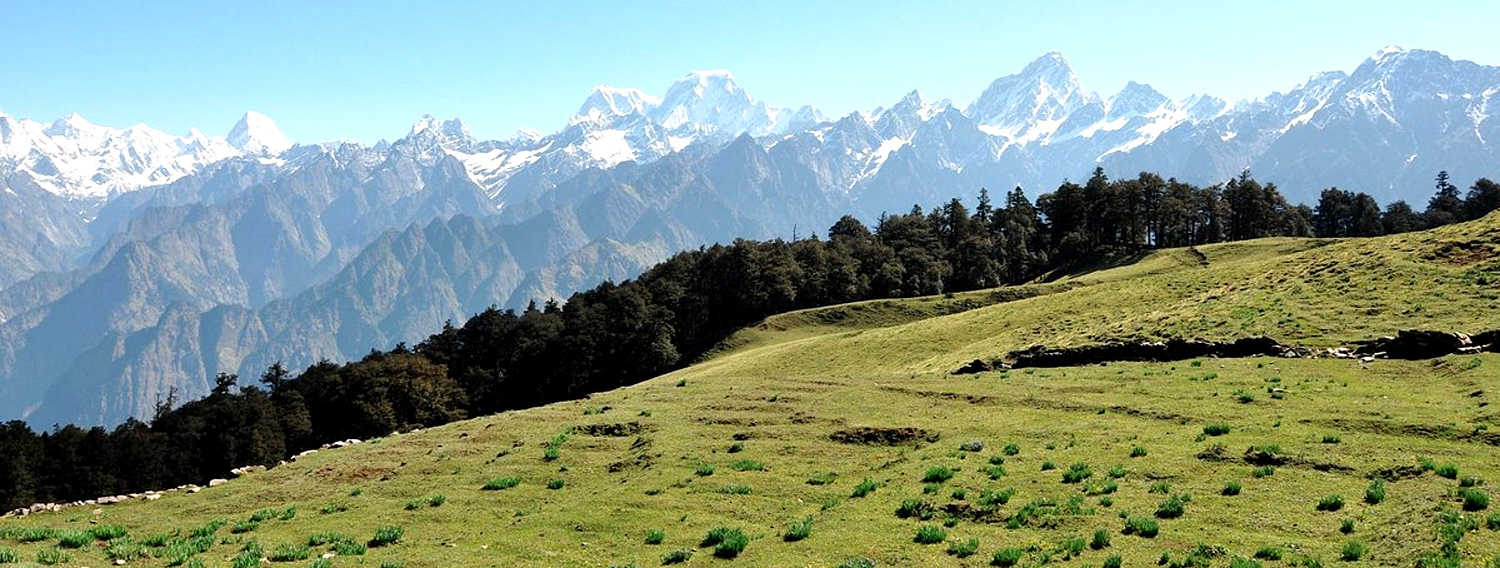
(758, 438)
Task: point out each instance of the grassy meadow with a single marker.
(837, 437)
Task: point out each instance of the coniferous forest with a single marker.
(619, 334)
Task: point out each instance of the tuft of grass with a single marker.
(798, 530)
(349, 548)
(1346, 526)
(997, 460)
(1113, 561)
(1118, 472)
(290, 552)
(124, 549)
(1474, 499)
(1141, 526)
(73, 538)
(1011, 449)
(864, 487)
(1331, 503)
(8, 556)
(1268, 553)
(704, 470)
(1173, 507)
(555, 483)
(727, 542)
(1264, 471)
(822, 478)
(1447, 470)
(1006, 557)
(1217, 429)
(937, 474)
(736, 448)
(1161, 487)
(501, 483)
(1375, 493)
(1331, 439)
(50, 557)
(963, 548)
(1470, 481)
(1353, 551)
(108, 532)
(747, 465)
(1077, 472)
(1100, 541)
(1231, 489)
(437, 500)
(971, 446)
(680, 555)
(264, 515)
(735, 489)
(656, 536)
(1138, 452)
(244, 527)
(930, 534)
(1049, 465)
(386, 536)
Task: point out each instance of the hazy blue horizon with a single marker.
(344, 69)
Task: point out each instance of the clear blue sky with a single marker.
(367, 69)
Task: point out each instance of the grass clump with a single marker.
(1216, 429)
(1474, 499)
(930, 534)
(73, 538)
(1346, 526)
(1446, 470)
(798, 530)
(1142, 527)
(1268, 553)
(677, 556)
(656, 536)
(864, 487)
(8, 556)
(124, 549)
(1006, 557)
(555, 483)
(1077, 472)
(1353, 551)
(1011, 449)
(1049, 465)
(501, 483)
(748, 465)
(108, 532)
(727, 542)
(1264, 471)
(1118, 472)
(1161, 487)
(822, 478)
(1331, 439)
(1113, 561)
(386, 536)
(349, 548)
(938, 474)
(1375, 493)
(264, 515)
(914, 508)
(1173, 507)
(51, 557)
(1138, 452)
(1231, 489)
(245, 526)
(735, 489)
(963, 548)
(1470, 481)
(704, 470)
(1331, 503)
(1100, 540)
(290, 552)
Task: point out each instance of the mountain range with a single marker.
(135, 265)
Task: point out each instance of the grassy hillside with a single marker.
(777, 428)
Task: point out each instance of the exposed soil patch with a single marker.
(872, 436)
(616, 430)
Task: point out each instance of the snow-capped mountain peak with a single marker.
(606, 102)
(256, 134)
(1136, 99)
(1025, 104)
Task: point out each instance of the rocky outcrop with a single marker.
(1407, 344)
(1425, 344)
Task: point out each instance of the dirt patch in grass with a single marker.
(872, 436)
(615, 430)
(356, 473)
